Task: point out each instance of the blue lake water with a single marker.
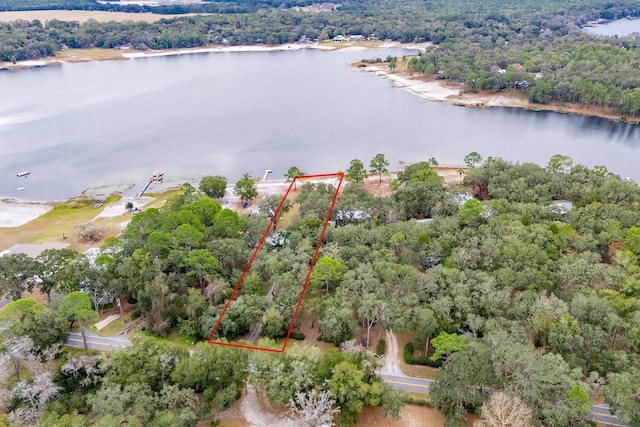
(619, 27)
(111, 124)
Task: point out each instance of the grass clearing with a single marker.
(50, 227)
(161, 199)
(93, 54)
(115, 327)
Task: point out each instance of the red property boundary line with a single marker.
(255, 252)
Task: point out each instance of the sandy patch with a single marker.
(429, 90)
(103, 323)
(119, 208)
(266, 188)
(254, 412)
(15, 214)
(444, 90)
(392, 360)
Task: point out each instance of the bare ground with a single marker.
(392, 358)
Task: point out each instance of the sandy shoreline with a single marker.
(455, 93)
(88, 55)
(14, 213)
(446, 91)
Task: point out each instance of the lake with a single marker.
(619, 27)
(109, 125)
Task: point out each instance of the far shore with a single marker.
(455, 93)
(98, 54)
(420, 85)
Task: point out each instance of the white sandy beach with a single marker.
(14, 213)
(445, 91)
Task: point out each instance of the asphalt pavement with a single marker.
(96, 342)
(411, 384)
(600, 413)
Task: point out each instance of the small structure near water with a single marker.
(158, 176)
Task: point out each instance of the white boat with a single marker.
(20, 188)
(23, 174)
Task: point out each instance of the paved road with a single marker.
(396, 380)
(600, 413)
(393, 375)
(414, 385)
(96, 342)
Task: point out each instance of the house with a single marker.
(339, 38)
(356, 38)
(561, 207)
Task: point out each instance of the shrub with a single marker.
(418, 360)
(381, 348)
(415, 401)
(297, 336)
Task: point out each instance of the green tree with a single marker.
(445, 344)
(269, 205)
(393, 64)
(349, 389)
(473, 159)
(246, 189)
(471, 213)
(50, 272)
(356, 172)
(201, 265)
(293, 172)
(16, 274)
(622, 393)
(420, 196)
(542, 92)
(578, 402)
(26, 317)
(560, 163)
(425, 324)
(392, 402)
(460, 382)
(149, 361)
(327, 272)
(283, 376)
(76, 307)
(211, 370)
(632, 240)
(379, 165)
(213, 186)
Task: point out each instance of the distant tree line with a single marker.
(449, 24)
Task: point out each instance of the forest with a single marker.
(517, 278)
